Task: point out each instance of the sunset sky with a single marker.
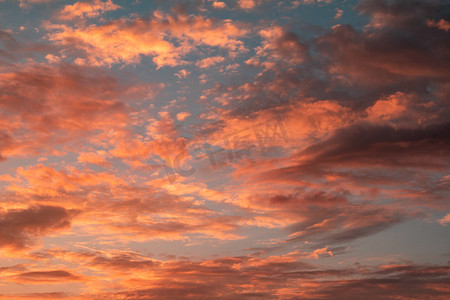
(241, 149)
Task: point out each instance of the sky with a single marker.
(241, 149)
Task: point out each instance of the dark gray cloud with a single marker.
(19, 227)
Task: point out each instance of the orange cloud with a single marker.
(210, 61)
(248, 4)
(94, 158)
(125, 40)
(86, 9)
(280, 44)
(183, 116)
(241, 277)
(219, 4)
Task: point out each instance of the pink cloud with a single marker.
(441, 24)
(445, 220)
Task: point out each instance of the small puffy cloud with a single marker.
(247, 4)
(339, 13)
(183, 115)
(441, 24)
(219, 4)
(210, 61)
(52, 58)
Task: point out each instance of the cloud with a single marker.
(442, 24)
(6, 143)
(281, 44)
(312, 2)
(308, 142)
(319, 217)
(183, 115)
(45, 106)
(248, 4)
(10, 45)
(356, 54)
(20, 227)
(219, 4)
(418, 282)
(364, 144)
(250, 277)
(339, 13)
(39, 296)
(28, 3)
(445, 220)
(210, 61)
(94, 158)
(39, 101)
(123, 262)
(163, 142)
(122, 208)
(39, 277)
(82, 9)
(125, 40)
(45, 182)
(393, 53)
